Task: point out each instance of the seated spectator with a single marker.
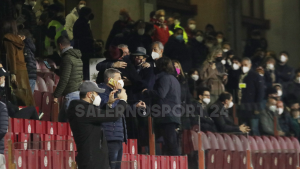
(86, 121)
(198, 49)
(212, 74)
(30, 60)
(292, 89)
(210, 43)
(285, 73)
(70, 75)
(176, 49)
(267, 119)
(295, 113)
(278, 87)
(3, 129)
(218, 111)
(190, 29)
(161, 32)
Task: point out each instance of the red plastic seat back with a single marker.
(296, 143)
(36, 87)
(229, 143)
(43, 67)
(260, 143)
(50, 83)
(275, 144)
(41, 84)
(252, 143)
(221, 141)
(245, 142)
(289, 143)
(268, 143)
(52, 63)
(213, 140)
(205, 143)
(237, 143)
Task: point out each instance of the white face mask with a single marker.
(195, 77)
(272, 108)
(245, 69)
(32, 3)
(97, 100)
(270, 66)
(220, 40)
(199, 38)
(121, 83)
(283, 58)
(176, 22)
(3, 84)
(81, 6)
(223, 62)
(155, 55)
(235, 66)
(280, 111)
(230, 105)
(206, 100)
(261, 74)
(141, 31)
(279, 92)
(225, 50)
(298, 79)
(192, 26)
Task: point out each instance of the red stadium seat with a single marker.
(41, 84)
(235, 154)
(43, 66)
(50, 84)
(227, 156)
(219, 156)
(281, 159)
(209, 154)
(262, 148)
(241, 150)
(38, 67)
(292, 157)
(274, 155)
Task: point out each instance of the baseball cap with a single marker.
(89, 86)
(3, 72)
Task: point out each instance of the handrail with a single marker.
(151, 136)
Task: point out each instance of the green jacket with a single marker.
(185, 36)
(71, 75)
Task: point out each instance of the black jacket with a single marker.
(3, 125)
(135, 40)
(285, 73)
(85, 121)
(116, 29)
(30, 19)
(286, 124)
(199, 52)
(206, 122)
(83, 37)
(221, 118)
(30, 60)
(291, 92)
(232, 85)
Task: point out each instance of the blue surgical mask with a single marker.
(179, 37)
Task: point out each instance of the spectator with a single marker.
(255, 42)
(157, 51)
(198, 49)
(220, 38)
(3, 129)
(161, 32)
(44, 5)
(170, 22)
(83, 38)
(210, 43)
(234, 73)
(292, 89)
(175, 48)
(13, 46)
(267, 119)
(284, 72)
(30, 60)
(258, 58)
(278, 87)
(86, 124)
(166, 92)
(296, 119)
(119, 25)
(212, 74)
(270, 72)
(226, 47)
(177, 25)
(30, 18)
(70, 75)
(72, 18)
(193, 81)
(219, 113)
(190, 29)
(209, 30)
(250, 95)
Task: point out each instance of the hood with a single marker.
(29, 43)
(15, 40)
(73, 52)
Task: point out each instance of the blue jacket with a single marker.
(3, 125)
(114, 131)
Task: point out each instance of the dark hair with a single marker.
(201, 90)
(217, 33)
(8, 26)
(165, 64)
(82, 95)
(285, 52)
(256, 33)
(149, 26)
(224, 96)
(139, 22)
(64, 41)
(210, 26)
(236, 58)
(152, 14)
(191, 71)
(84, 11)
(271, 90)
(25, 32)
(178, 29)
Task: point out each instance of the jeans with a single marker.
(2, 162)
(115, 152)
(62, 117)
(32, 84)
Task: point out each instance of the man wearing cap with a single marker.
(85, 120)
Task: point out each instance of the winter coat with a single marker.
(285, 73)
(185, 36)
(83, 37)
(3, 125)
(161, 33)
(114, 131)
(291, 92)
(177, 50)
(88, 132)
(267, 122)
(199, 52)
(30, 19)
(30, 60)
(71, 75)
(13, 45)
(166, 92)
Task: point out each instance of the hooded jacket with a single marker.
(71, 75)
(3, 125)
(29, 51)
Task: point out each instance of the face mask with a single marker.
(199, 38)
(272, 108)
(219, 59)
(91, 17)
(206, 100)
(97, 100)
(230, 105)
(32, 3)
(141, 31)
(235, 66)
(179, 37)
(270, 66)
(261, 74)
(3, 84)
(245, 69)
(280, 111)
(162, 19)
(121, 83)
(195, 77)
(229, 62)
(298, 79)
(279, 92)
(223, 62)
(225, 50)
(177, 70)
(155, 55)
(138, 61)
(209, 45)
(176, 22)
(220, 40)
(283, 58)
(192, 26)
(81, 6)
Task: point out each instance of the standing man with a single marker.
(70, 75)
(285, 73)
(86, 124)
(157, 51)
(30, 18)
(161, 32)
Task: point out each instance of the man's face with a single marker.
(161, 16)
(246, 63)
(2, 80)
(295, 106)
(271, 102)
(227, 102)
(280, 104)
(82, 3)
(219, 36)
(155, 48)
(170, 21)
(192, 22)
(226, 46)
(139, 60)
(206, 94)
(117, 77)
(125, 51)
(180, 32)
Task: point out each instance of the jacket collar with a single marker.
(66, 49)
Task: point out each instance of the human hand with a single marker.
(225, 77)
(213, 66)
(281, 133)
(119, 65)
(112, 98)
(13, 78)
(141, 104)
(144, 90)
(126, 81)
(146, 65)
(122, 95)
(55, 100)
(244, 128)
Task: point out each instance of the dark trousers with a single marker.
(115, 152)
(27, 113)
(167, 131)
